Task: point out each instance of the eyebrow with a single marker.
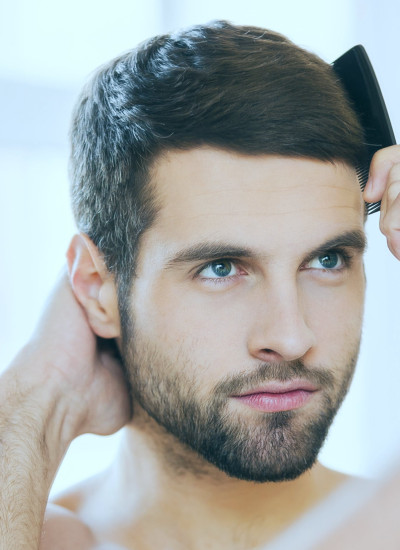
(208, 251)
(355, 240)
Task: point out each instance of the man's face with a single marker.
(247, 307)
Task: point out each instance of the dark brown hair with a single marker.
(240, 88)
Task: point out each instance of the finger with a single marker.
(392, 189)
(393, 186)
(390, 220)
(381, 165)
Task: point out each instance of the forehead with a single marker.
(209, 193)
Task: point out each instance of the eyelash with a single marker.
(219, 280)
(347, 259)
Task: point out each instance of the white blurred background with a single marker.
(47, 50)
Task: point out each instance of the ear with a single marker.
(93, 286)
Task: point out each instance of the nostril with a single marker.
(267, 354)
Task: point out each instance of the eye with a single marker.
(329, 261)
(218, 269)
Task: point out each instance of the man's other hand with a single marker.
(89, 368)
(384, 185)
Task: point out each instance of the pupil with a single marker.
(329, 260)
(222, 269)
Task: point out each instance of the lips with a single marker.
(278, 396)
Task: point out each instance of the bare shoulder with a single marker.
(63, 530)
(374, 523)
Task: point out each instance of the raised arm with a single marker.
(60, 385)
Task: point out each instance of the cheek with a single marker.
(177, 310)
(335, 316)
(205, 332)
(200, 334)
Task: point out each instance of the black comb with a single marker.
(358, 78)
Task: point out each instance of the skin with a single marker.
(269, 311)
(200, 330)
(80, 389)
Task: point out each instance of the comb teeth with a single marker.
(363, 173)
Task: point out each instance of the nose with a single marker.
(280, 330)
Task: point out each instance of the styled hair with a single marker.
(238, 88)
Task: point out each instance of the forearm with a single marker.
(58, 387)
(34, 436)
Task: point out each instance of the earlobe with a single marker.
(93, 286)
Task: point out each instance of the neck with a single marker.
(160, 489)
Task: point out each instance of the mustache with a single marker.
(280, 372)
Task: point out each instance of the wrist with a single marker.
(35, 406)
(34, 436)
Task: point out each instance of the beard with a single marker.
(248, 445)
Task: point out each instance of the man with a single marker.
(219, 263)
